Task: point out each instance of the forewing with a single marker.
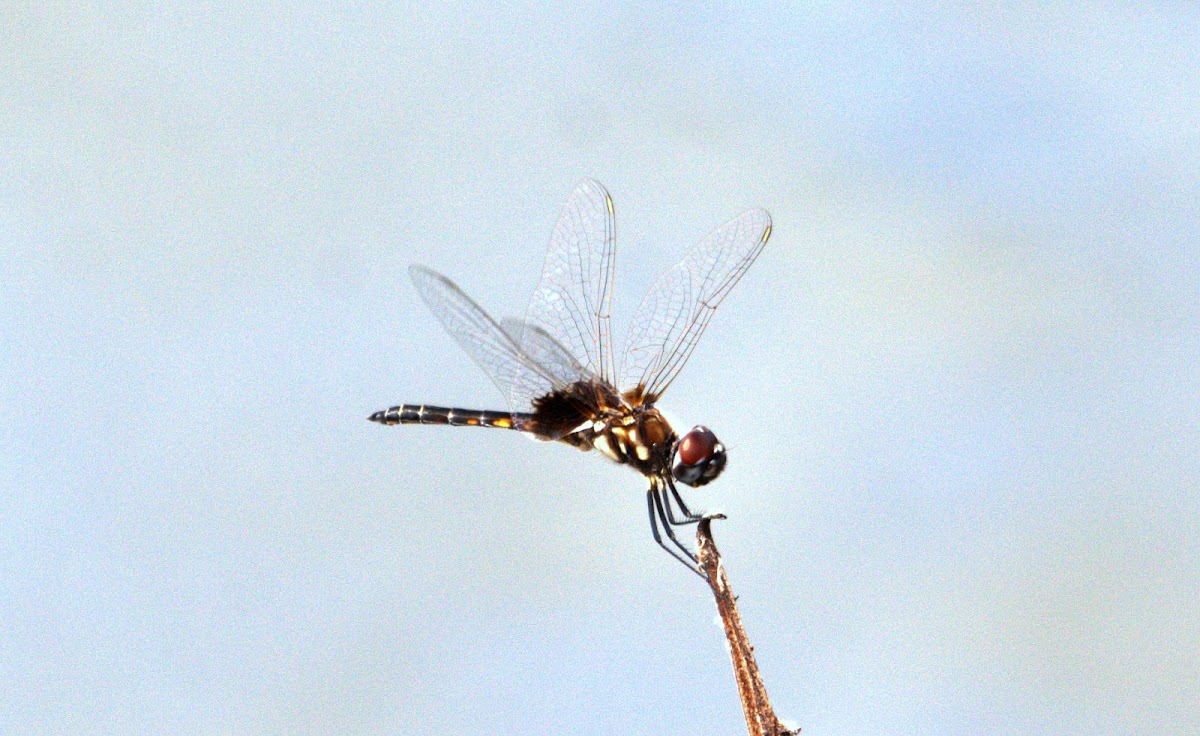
(572, 301)
(518, 377)
(551, 357)
(670, 320)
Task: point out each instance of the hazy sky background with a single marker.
(960, 387)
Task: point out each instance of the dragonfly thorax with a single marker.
(636, 436)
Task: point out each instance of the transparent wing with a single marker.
(571, 304)
(519, 377)
(548, 354)
(673, 315)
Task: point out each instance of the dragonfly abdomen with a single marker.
(422, 414)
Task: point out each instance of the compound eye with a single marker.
(697, 446)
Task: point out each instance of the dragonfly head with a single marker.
(700, 457)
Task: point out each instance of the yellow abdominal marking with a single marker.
(472, 421)
(502, 423)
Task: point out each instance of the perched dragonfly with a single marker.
(556, 366)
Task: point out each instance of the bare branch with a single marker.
(760, 718)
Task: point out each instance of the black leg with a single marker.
(667, 527)
(654, 507)
(688, 516)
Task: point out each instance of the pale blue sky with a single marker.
(960, 386)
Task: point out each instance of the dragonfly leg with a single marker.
(688, 516)
(654, 506)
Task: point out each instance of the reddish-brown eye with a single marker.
(697, 446)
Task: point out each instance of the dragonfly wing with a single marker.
(519, 377)
(571, 304)
(670, 320)
(548, 353)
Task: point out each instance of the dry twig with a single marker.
(760, 718)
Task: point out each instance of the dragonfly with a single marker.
(557, 368)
